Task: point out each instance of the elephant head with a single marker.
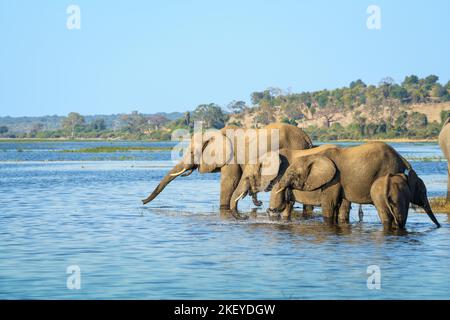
(257, 176)
(207, 152)
(419, 195)
(307, 173)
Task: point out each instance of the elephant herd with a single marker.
(282, 159)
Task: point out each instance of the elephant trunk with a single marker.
(430, 213)
(240, 192)
(173, 173)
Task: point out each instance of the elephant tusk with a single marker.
(178, 173)
(281, 190)
(240, 196)
(188, 173)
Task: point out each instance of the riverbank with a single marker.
(19, 140)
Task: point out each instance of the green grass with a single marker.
(110, 149)
(427, 159)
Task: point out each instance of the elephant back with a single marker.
(444, 139)
(291, 137)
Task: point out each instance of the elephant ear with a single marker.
(217, 151)
(268, 169)
(321, 170)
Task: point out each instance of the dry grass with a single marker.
(440, 205)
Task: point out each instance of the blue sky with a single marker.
(173, 55)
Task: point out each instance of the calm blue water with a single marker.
(60, 209)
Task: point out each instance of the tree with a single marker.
(401, 123)
(237, 106)
(399, 93)
(264, 95)
(321, 98)
(157, 120)
(211, 115)
(135, 122)
(445, 114)
(361, 122)
(3, 129)
(438, 91)
(265, 114)
(410, 81)
(72, 122)
(97, 125)
(386, 86)
(187, 118)
(417, 120)
(357, 83)
(36, 127)
(293, 111)
(430, 81)
(447, 86)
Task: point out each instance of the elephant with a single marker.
(230, 163)
(391, 196)
(444, 143)
(355, 169)
(260, 176)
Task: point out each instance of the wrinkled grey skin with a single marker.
(392, 195)
(290, 137)
(444, 143)
(254, 179)
(355, 168)
(328, 197)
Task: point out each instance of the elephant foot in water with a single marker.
(255, 200)
(232, 213)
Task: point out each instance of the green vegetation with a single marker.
(440, 205)
(108, 149)
(356, 112)
(377, 112)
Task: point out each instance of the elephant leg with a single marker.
(329, 212)
(331, 202)
(360, 213)
(255, 200)
(287, 212)
(344, 211)
(230, 176)
(385, 216)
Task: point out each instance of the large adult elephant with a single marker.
(444, 143)
(232, 140)
(354, 169)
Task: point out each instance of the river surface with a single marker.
(61, 209)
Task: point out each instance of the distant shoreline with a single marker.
(395, 140)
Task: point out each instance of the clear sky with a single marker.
(173, 55)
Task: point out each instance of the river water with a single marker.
(61, 209)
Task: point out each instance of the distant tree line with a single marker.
(386, 103)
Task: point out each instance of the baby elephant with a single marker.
(391, 196)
